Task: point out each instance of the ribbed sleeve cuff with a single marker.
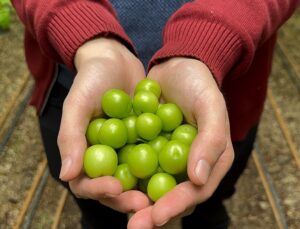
(210, 42)
(74, 24)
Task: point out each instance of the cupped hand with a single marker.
(101, 64)
(190, 84)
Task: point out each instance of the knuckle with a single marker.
(75, 190)
(71, 101)
(232, 157)
(62, 137)
(228, 156)
(207, 193)
(218, 140)
(185, 193)
(231, 152)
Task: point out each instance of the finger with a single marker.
(102, 187)
(71, 137)
(186, 195)
(130, 201)
(141, 219)
(211, 141)
(174, 203)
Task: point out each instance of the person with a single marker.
(213, 59)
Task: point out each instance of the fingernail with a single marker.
(65, 167)
(109, 195)
(161, 224)
(202, 171)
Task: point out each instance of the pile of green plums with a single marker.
(142, 142)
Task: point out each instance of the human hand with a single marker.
(189, 83)
(102, 63)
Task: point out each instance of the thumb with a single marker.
(71, 138)
(211, 140)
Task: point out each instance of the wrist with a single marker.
(183, 69)
(99, 48)
(185, 64)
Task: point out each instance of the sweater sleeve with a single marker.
(223, 34)
(60, 27)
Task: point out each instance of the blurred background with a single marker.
(268, 193)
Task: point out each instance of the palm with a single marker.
(101, 74)
(184, 83)
(189, 84)
(102, 64)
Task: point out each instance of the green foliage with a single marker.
(5, 2)
(5, 14)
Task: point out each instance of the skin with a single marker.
(190, 84)
(102, 64)
(184, 81)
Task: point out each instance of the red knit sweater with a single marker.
(234, 38)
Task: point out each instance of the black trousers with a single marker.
(210, 214)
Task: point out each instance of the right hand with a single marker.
(102, 64)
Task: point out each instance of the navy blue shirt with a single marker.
(143, 21)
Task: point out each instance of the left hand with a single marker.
(190, 84)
